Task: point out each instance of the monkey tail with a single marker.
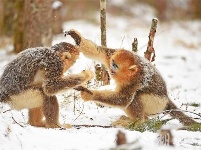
(178, 114)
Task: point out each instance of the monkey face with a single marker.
(68, 59)
(122, 66)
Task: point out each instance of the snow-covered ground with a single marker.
(178, 53)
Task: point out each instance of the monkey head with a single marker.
(68, 54)
(120, 69)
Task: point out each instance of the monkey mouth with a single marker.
(112, 72)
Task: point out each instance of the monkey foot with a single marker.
(124, 121)
(67, 126)
(38, 124)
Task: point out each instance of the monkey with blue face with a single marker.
(140, 89)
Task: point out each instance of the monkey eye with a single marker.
(66, 57)
(114, 66)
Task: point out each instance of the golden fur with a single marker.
(140, 89)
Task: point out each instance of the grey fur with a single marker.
(19, 73)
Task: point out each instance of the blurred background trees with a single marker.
(28, 22)
(32, 22)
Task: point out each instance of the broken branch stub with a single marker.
(150, 52)
(135, 45)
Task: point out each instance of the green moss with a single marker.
(194, 104)
(194, 127)
(152, 125)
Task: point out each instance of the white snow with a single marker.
(56, 4)
(178, 53)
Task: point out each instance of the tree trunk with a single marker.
(57, 17)
(103, 22)
(19, 26)
(38, 23)
(1, 16)
(104, 73)
(7, 17)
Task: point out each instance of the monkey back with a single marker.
(19, 73)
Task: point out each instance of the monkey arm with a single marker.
(95, 52)
(90, 49)
(55, 85)
(111, 98)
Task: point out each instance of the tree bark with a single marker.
(38, 23)
(103, 22)
(104, 73)
(57, 18)
(135, 45)
(150, 52)
(19, 26)
(1, 16)
(7, 17)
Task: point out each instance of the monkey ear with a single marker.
(66, 55)
(133, 69)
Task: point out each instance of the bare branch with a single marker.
(103, 22)
(17, 123)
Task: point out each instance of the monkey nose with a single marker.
(112, 72)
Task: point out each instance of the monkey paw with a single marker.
(86, 96)
(123, 121)
(89, 74)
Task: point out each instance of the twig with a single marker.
(17, 123)
(168, 111)
(74, 99)
(150, 52)
(6, 110)
(88, 126)
(80, 112)
(19, 141)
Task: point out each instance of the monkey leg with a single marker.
(51, 111)
(135, 113)
(36, 116)
(136, 110)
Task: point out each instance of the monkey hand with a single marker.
(86, 96)
(88, 75)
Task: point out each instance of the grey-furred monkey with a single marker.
(140, 89)
(35, 76)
